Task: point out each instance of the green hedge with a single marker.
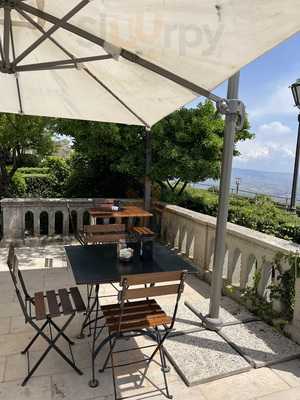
(33, 170)
(260, 213)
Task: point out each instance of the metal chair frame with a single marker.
(156, 334)
(26, 302)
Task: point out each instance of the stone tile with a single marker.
(246, 386)
(53, 363)
(203, 356)
(36, 389)
(4, 325)
(69, 387)
(289, 371)
(15, 343)
(291, 394)
(230, 310)
(10, 310)
(260, 343)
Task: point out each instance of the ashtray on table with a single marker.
(126, 255)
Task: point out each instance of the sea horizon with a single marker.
(252, 182)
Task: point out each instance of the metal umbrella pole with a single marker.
(234, 112)
(148, 159)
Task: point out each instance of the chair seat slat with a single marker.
(40, 308)
(76, 296)
(65, 301)
(53, 305)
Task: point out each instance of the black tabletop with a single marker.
(100, 264)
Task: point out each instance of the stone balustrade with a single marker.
(35, 220)
(192, 234)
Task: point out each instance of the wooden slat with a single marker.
(40, 309)
(52, 303)
(76, 296)
(107, 228)
(140, 279)
(143, 231)
(151, 292)
(153, 322)
(134, 304)
(132, 311)
(65, 301)
(106, 238)
(135, 317)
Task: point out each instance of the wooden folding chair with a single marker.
(132, 317)
(45, 307)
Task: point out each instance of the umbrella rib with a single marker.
(124, 53)
(48, 33)
(16, 74)
(42, 30)
(53, 64)
(116, 97)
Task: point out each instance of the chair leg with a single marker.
(62, 334)
(113, 366)
(39, 330)
(94, 382)
(52, 345)
(108, 356)
(164, 366)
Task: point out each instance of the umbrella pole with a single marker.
(148, 159)
(213, 320)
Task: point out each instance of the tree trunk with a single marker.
(182, 189)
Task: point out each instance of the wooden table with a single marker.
(127, 212)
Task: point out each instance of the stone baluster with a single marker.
(36, 221)
(51, 223)
(65, 223)
(80, 220)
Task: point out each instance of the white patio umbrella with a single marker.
(136, 61)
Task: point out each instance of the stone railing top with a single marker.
(38, 201)
(260, 238)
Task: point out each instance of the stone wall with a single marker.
(28, 221)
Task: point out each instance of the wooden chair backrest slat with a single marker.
(157, 277)
(155, 291)
(107, 228)
(106, 238)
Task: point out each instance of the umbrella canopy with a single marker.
(132, 61)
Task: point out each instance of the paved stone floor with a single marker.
(45, 268)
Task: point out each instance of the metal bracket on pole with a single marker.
(233, 107)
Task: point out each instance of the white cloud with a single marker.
(278, 102)
(272, 149)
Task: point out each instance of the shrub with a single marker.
(18, 186)
(260, 213)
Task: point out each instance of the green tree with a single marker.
(186, 146)
(20, 135)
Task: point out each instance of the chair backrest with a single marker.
(169, 283)
(18, 281)
(107, 228)
(108, 233)
(104, 204)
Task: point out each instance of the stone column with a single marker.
(36, 221)
(51, 222)
(13, 224)
(79, 220)
(65, 223)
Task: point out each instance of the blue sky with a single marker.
(264, 88)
